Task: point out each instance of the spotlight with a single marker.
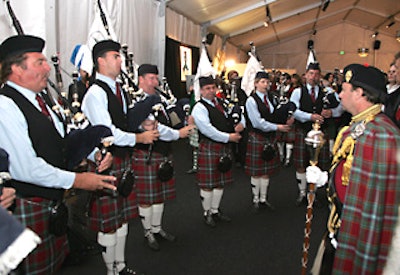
(390, 24)
(326, 4)
(375, 34)
(398, 36)
(265, 23)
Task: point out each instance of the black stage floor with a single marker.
(267, 242)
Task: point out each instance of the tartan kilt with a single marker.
(107, 213)
(48, 256)
(208, 176)
(287, 137)
(255, 165)
(149, 188)
(301, 156)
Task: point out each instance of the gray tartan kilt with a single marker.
(48, 256)
(255, 166)
(149, 188)
(108, 213)
(301, 154)
(208, 176)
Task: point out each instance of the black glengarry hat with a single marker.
(147, 69)
(366, 77)
(19, 44)
(105, 46)
(262, 74)
(206, 80)
(314, 66)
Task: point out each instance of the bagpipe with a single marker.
(330, 99)
(81, 137)
(229, 100)
(283, 108)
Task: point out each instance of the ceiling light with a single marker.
(390, 24)
(398, 35)
(265, 23)
(326, 4)
(363, 52)
(375, 34)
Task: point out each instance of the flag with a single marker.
(97, 30)
(204, 68)
(252, 67)
(219, 61)
(311, 58)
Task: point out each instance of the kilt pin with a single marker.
(148, 187)
(255, 165)
(34, 213)
(108, 213)
(208, 176)
(301, 156)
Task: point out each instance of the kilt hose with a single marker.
(149, 188)
(106, 212)
(208, 176)
(301, 154)
(48, 256)
(255, 165)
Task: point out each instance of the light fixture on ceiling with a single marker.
(363, 52)
(375, 34)
(392, 22)
(266, 23)
(398, 35)
(325, 5)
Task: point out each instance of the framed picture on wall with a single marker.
(186, 62)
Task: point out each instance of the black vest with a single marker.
(159, 146)
(217, 119)
(265, 114)
(46, 141)
(392, 104)
(118, 117)
(308, 106)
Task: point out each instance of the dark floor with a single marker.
(253, 243)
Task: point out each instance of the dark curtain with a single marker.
(173, 66)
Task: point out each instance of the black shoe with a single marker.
(208, 219)
(221, 217)
(151, 241)
(301, 199)
(128, 270)
(256, 207)
(192, 171)
(165, 235)
(267, 204)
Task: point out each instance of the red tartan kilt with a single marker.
(149, 188)
(208, 176)
(301, 156)
(255, 165)
(48, 257)
(108, 213)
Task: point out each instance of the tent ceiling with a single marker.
(243, 21)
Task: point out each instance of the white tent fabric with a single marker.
(64, 24)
